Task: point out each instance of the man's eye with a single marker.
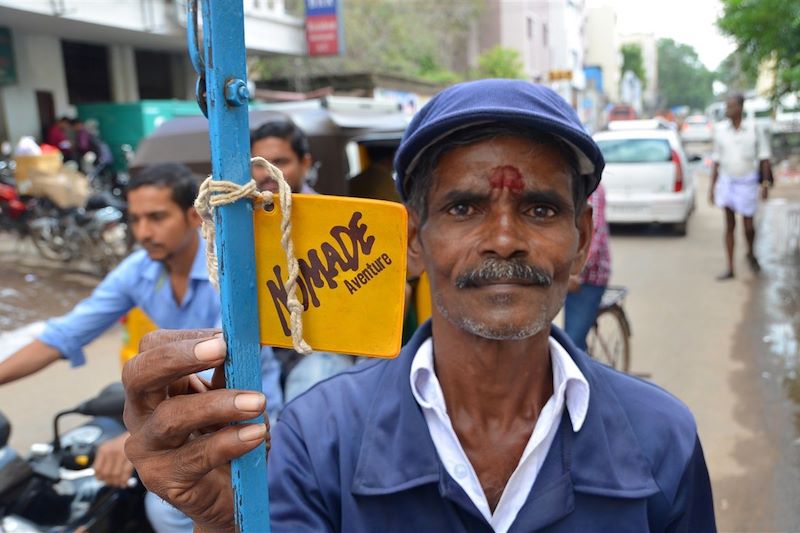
(542, 211)
(461, 210)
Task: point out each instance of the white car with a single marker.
(696, 128)
(647, 177)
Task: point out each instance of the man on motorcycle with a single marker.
(167, 279)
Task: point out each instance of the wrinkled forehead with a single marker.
(510, 164)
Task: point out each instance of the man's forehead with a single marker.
(151, 199)
(505, 154)
(516, 176)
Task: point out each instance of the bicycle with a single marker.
(609, 339)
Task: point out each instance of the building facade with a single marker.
(67, 52)
(548, 35)
(603, 47)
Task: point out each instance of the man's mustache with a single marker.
(502, 271)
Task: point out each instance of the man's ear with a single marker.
(305, 163)
(193, 217)
(585, 225)
(415, 263)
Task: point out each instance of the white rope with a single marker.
(215, 193)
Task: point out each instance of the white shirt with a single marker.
(738, 151)
(570, 388)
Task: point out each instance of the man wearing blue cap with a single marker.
(490, 419)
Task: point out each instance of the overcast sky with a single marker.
(686, 21)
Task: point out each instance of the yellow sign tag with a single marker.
(352, 256)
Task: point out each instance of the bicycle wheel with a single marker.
(609, 339)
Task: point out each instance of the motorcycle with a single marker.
(97, 232)
(16, 212)
(55, 489)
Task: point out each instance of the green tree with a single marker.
(500, 62)
(737, 73)
(682, 77)
(766, 32)
(633, 60)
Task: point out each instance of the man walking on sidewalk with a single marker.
(741, 167)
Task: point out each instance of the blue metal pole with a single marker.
(226, 99)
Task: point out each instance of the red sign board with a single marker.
(322, 35)
(324, 28)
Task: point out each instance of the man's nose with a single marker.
(503, 234)
(142, 230)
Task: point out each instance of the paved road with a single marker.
(729, 350)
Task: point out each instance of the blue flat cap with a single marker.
(513, 102)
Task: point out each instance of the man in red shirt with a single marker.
(58, 136)
(586, 291)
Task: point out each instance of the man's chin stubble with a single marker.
(485, 331)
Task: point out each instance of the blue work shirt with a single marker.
(354, 455)
(142, 282)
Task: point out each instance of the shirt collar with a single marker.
(568, 381)
(568, 376)
(199, 268)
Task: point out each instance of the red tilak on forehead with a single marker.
(506, 176)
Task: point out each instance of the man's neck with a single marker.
(180, 264)
(492, 383)
(494, 392)
(737, 122)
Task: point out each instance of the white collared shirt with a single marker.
(738, 151)
(570, 387)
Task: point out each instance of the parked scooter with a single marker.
(55, 489)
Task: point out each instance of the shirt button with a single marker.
(460, 471)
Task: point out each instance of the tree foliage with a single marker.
(409, 38)
(633, 60)
(737, 73)
(500, 62)
(682, 77)
(766, 32)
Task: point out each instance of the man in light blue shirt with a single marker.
(167, 279)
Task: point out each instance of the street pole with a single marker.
(223, 96)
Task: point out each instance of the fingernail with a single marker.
(252, 432)
(210, 350)
(249, 401)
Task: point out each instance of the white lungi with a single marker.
(737, 194)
